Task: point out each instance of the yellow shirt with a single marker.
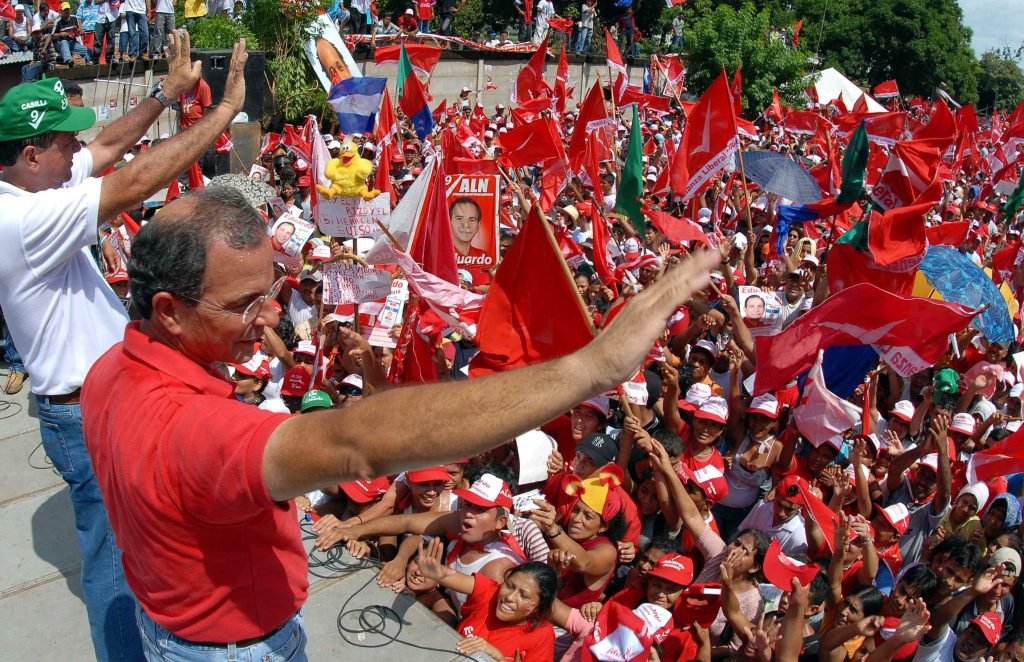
(965, 530)
(195, 8)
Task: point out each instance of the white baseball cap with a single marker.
(962, 423)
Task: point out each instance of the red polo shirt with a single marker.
(207, 553)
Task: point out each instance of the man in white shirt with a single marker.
(544, 11)
(781, 518)
(59, 308)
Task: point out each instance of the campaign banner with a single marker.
(352, 283)
(761, 310)
(473, 204)
(288, 234)
(390, 315)
(346, 216)
(327, 54)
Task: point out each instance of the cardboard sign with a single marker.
(288, 234)
(761, 309)
(353, 216)
(473, 203)
(353, 283)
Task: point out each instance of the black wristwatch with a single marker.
(157, 92)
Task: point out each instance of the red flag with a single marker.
(913, 166)
(736, 89)
(1001, 459)
(941, 126)
(746, 128)
(270, 143)
(861, 104)
(528, 144)
(848, 266)
(709, 140)
(433, 247)
(603, 264)
(382, 177)
(593, 120)
(1005, 261)
(130, 225)
(613, 56)
(774, 110)
(7, 11)
(561, 79)
(887, 90)
(413, 360)
(967, 119)
(561, 24)
(901, 233)
(439, 112)
(859, 315)
(389, 140)
(533, 311)
(173, 191)
(805, 122)
(1017, 116)
(619, 633)
(796, 33)
(571, 251)
(883, 128)
(422, 57)
(676, 230)
(530, 82)
(294, 141)
(948, 234)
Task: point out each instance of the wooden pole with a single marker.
(746, 193)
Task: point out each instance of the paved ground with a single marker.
(41, 612)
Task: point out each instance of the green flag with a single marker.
(857, 236)
(1015, 200)
(855, 162)
(404, 71)
(631, 188)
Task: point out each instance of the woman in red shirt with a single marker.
(506, 621)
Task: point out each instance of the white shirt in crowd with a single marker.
(59, 308)
(791, 534)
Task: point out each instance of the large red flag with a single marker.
(967, 119)
(859, 315)
(1001, 459)
(433, 247)
(709, 140)
(593, 120)
(421, 57)
(603, 264)
(676, 230)
(613, 56)
(534, 142)
(882, 128)
(912, 168)
(848, 266)
(1005, 261)
(533, 311)
(901, 233)
(948, 234)
(530, 81)
(561, 79)
(775, 109)
(941, 126)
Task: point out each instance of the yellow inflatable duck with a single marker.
(348, 175)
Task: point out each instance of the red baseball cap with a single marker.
(487, 491)
(781, 570)
(296, 381)
(365, 491)
(427, 475)
(699, 603)
(991, 625)
(674, 568)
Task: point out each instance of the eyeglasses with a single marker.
(252, 309)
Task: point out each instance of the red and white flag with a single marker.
(1001, 459)
(529, 83)
(624, 635)
(821, 413)
(887, 90)
(913, 166)
(613, 56)
(709, 140)
(421, 57)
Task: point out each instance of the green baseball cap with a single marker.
(315, 400)
(32, 109)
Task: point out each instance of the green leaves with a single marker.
(220, 32)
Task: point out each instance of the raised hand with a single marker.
(430, 560)
(545, 516)
(234, 87)
(182, 72)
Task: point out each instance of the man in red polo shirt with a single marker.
(199, 488)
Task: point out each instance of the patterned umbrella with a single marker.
(256, 192)
(960, 280)
(779, 174)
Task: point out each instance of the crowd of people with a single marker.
(707, 522)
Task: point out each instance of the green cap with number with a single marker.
(32, 109)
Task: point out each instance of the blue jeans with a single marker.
(108, 600)
(288, 644)
(138, 33)
(11, 355)
(425, 26)
(677, 42)
(68, 48)
(583, 40)
(15, 46)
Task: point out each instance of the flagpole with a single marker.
(746, 192)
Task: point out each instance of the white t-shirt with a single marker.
(59, 308)
(164, 7)
(134, 6)
(940, 650)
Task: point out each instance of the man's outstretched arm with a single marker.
(412, 427)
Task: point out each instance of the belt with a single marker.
(244, 642)
(72, 398)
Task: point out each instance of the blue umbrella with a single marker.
(960, 280)
(779, 174)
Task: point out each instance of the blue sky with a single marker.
(995, 22)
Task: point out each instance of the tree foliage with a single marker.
(722, 36)
(1000, 82)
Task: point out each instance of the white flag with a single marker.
(822, 414)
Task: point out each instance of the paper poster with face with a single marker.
(761, 309)
(473, 203)
(288, 234)
(390, 315)
(327, 54)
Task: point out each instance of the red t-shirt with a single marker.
(194, 103)
(478, 620)
(710, 473)
(406, 22)
(425, 9)
(207, 553)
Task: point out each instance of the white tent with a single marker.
(831, 84)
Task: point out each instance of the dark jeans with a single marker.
(108, 601)
(108, 30)
(16, 47)
(138, 33)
